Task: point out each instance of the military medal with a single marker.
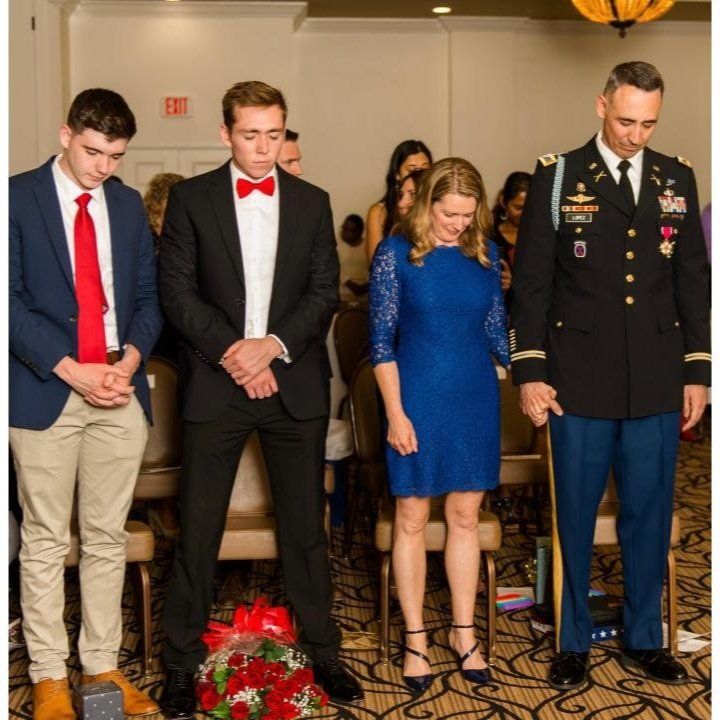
(671, 203)
(667, 246)
(580, 187)
(580, 247)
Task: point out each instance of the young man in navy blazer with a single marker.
(84, 316)
(249, 279)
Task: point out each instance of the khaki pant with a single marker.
(99, 450)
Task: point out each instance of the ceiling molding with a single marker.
(297, 11)
(471, 23)
(375, 26)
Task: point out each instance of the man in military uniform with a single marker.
(610, 333)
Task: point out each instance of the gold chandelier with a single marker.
(621, 14)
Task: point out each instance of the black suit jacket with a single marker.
(202, 289)
(613, 317)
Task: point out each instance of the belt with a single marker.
(113, 356)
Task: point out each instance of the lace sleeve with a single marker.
(496, 321)
(384, 300)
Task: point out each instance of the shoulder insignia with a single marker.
(684, 161)
(549, 159)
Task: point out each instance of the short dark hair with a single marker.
(104, 111)
(355, 220)
(637, 73)
(291, 135)
(251, 93)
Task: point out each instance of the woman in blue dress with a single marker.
(436, 318)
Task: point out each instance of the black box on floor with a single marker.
(99, 701)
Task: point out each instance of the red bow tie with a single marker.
(245, 187)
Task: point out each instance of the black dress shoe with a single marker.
(657, 664)
(178, 697)
(337, 682)
(568, 670)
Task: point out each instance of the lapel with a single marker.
(121, 248)
(49, 206)
(599, 179)
(287, 187)
(651, 183)
(222, 201)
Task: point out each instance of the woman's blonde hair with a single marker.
(155, 198)
(459, 177)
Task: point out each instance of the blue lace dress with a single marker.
(441, 323)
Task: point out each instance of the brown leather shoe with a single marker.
(135, 702)
(51, 700)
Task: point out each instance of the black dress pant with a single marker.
(294, 454)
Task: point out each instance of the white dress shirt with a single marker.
(258, 220)
(612, 160)
(67, 191)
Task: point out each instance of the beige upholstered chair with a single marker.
(367, 430)
(160, 470)
(250, 525)
(351, 335)
(523, 452)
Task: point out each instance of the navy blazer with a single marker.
(43, 308)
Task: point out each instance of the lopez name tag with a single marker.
(578, 217)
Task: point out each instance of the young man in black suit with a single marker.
(249, 279)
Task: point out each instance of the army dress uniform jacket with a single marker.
(611, 306)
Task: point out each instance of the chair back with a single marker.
(351, 335)
(517, 434)
(164, 445)
(251, 490)
(366, 415)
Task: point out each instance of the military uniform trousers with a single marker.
(642, 453)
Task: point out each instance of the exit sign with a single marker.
(176, 106)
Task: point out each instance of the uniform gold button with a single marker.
(559, 323)
(630, 278)
(632, 232)
(578, 229)
(630, 255)
(677, 324)
(629, 299)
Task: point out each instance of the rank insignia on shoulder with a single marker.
(549, 159)
(684, 161)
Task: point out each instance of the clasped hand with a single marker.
(248, 364)
(536, 399)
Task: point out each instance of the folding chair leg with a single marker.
(144, 610)
(385, 607)
(672, 603)
(489, 561)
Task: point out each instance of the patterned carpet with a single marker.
(518, 690)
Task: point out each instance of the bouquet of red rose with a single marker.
(255, 671)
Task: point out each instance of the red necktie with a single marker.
(88, 287)
(245, 187)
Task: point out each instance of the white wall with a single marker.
(497, 91)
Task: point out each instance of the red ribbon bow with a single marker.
(261, 619)
(245, 187)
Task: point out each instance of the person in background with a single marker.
(436, 319)
(84, 316)
(610, 341)
(155, 201)
(353, 262)
(409, 155)
(507, 213)
(706, 220)
(290, 156)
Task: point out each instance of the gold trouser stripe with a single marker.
(556, 549)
